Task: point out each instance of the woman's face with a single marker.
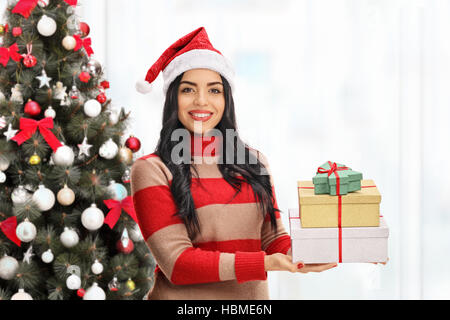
(201, 100)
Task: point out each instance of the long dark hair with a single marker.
(250, 171)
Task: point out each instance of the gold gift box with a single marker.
(359, 209)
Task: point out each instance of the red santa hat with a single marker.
(193, 51)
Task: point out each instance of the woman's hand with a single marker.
(283, 262)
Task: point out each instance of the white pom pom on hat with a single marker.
(144, 87)
(193, 51)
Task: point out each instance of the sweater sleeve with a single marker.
(167, 236)
(273, 241)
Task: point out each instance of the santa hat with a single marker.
(192, 51)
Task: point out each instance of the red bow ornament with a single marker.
(86, 43)
(25, 7)
(9, 53)
(8, 227)
(116, 207)
(29, 127)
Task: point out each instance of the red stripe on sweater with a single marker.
(231, 246)
(155, 209)
(195, 265)
(206, 191)
(151, 155)
(281, 244)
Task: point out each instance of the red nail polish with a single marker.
(300, 265)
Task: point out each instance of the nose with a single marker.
(200, 98)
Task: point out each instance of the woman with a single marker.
(208, 213)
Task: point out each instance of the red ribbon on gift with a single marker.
(29, 127)
(25, 7)
(86, 43)
(333, 169)
(9, 53)
(116, 207)
(8, 227)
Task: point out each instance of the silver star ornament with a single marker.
(84, 148)
(45, 81)
(27, 256)
(10, 133)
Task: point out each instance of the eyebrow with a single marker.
(194, 84)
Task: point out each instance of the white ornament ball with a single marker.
(50, 112)
(8, 267)
(46, 26)
(92, 218)
(20, 195)
(109, 149)
(135, 234)
(44, 198)
(94, 67)
(47, 256)
(118, 191)
(69, 238)
(73, 282)
(26, 231)
(65, 196)
(92, 108)
(69, 43)
(97, 267)
(2, 177)
(94, 293)
(4, 163)
(21, 295)
(64, 156)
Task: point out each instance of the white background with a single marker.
(360, 82)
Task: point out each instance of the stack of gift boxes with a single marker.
(338, 219)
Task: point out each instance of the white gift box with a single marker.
(321, 245)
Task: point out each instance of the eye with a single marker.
(216, 91)
(186, 90)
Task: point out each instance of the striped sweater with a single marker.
(225, 260)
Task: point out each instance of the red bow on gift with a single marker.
(333, 168)
(25, 7)
(7, 53)
(8, 227)
(86, 43)
(29, 126)
(116, 207)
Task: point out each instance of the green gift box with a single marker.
(328, 175)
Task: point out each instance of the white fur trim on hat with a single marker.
(197, 59)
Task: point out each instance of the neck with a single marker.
(205, 145)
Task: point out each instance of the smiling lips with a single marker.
(200, 115)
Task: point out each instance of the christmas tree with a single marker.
(68, 227)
